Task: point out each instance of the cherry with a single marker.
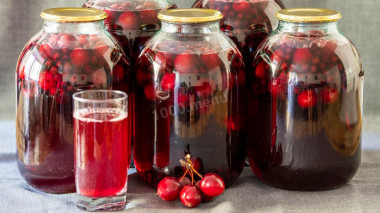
(149, 92)
(185, 63)
(185, 181)
(330, 95)
(79, 56)
(212, 185)
(45, 51)
(67, 41)
(197, 164)
(260, 70)
(168, 81)
(46, 80)
(302, 56)
(129, 21)
(241, 6)
(191, 196)
(307, 98)
(211, 60)
(168, 189)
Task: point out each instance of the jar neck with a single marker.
(73, 27)
(298, 27)
(196, 28)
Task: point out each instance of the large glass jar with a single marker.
(189, 84)
(247, 22)
(128, 20)
(72, 52)
(305, 103)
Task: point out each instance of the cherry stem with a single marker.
(195, 171)
(192, 177)
(183, 176)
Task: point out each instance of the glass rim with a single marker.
(85, 100)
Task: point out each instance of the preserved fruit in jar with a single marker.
(189, 84)
(305, 103)
(71, 53)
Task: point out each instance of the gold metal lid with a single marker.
(193, 15)
(308, 15)
(73, 14)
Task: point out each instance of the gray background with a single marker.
(20, 20)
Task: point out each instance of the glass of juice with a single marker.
(102, 147)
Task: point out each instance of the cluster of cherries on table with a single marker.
(301, 57)
(190, 191)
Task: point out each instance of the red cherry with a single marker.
(260, 71)
(212, 185)
(45, 51)
(168, 81)
(46, 80)
(129, 21)
(197, 164)
(307, 98)
(302, 56)
(67, 41)
(79, 57)
(330, 95)
(83, 40)
(148, 17)
(184, 182)
(118, 72)
(168, 189)
(149, 92)
(185, 63)
(241, 6)
(190, 196)
(211, 60)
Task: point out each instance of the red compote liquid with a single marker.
(305, 121)
(129, 20)
(189, 103)
(247, 22)
(104, 153)
(51, 68)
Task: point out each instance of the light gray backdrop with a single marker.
(361, 23)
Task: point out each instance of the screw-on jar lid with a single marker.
(73, 14)
(308, 15)
(193, 15)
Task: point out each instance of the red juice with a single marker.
(102, 153)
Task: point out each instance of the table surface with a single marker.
(247, 194)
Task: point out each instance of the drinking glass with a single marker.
(102, 149)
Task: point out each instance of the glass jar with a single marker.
(72, 52)
(188, 99)
(248, 22)
(129, 19)
(305, 103)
